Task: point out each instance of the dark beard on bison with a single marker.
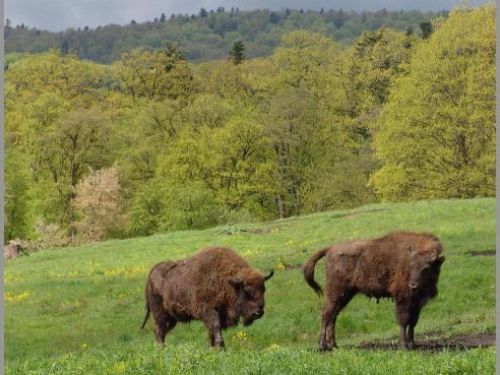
(247, 321)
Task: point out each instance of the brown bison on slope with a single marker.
(401, 265)
(215, 286)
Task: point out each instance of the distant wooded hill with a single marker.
(210, 34)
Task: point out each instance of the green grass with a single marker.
(78, 310)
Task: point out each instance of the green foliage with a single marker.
(211, 35)
(368, 71)
(237, 52)
(50, 122)
(426, 28)
(10, 59)
(78, 310)
(311, 135)
(66, 148)
(436, 135)
(189, 206)
(53, 72)
(16, 211)
(313, 127)
(146, 210)
(154, 74)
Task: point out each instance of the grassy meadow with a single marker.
(78, 310)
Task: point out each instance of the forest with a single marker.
(313, 118)
(209, 34)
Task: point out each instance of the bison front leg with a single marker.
(414, 315)
(212, 321)
(403, 316)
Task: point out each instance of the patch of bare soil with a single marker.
(481, 253)
(264, 230)
(261, 230)
(456, 343)
(290, 267)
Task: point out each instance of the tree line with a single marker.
(209, 34)
(153, 142)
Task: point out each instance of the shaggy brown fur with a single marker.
(401, 265)
(215, 286)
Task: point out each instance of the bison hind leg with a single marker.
(163, 325)
(334, 304)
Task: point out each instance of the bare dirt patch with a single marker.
(481, 253)
(455, 343)
(231, 230)
(291, 267)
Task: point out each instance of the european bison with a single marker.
(401, 265)
(215, 286)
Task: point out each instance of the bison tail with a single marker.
(308, 270)
(146, 307)
(147, 315)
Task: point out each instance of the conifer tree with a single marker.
(237, 53)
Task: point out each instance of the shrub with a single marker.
(97, 202)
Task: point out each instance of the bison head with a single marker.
(249, 288)
(424, 270)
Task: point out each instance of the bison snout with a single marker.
(413, 285)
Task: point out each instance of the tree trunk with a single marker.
(281, 206)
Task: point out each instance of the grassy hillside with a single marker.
(78, 310)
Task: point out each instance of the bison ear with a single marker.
(236, 282)
(269, 276)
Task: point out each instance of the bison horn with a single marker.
(269, 276)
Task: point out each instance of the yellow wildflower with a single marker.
(11, 297)
(240, 335)
(273, 347)
(118, 368)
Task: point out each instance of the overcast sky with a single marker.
(61, 14)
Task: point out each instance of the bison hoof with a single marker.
(326, 346)
(408, 346)
(219, 345)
